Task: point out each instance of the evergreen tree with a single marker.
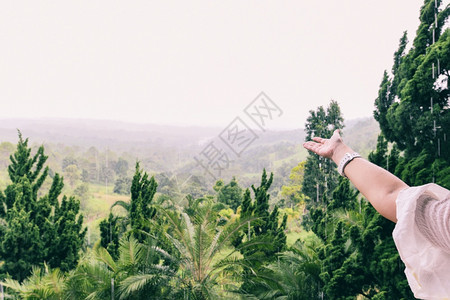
(37, 229)
(333, 256)
(140, 221)
(230, 194)
(380, 156)
(377, 262)
(139, 211)
(143, 189)
(344, 196)
(412, 106)
(109, 235)
(265, 233)
(321, 176)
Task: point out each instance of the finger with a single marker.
(319, 139)
(307, 145)
(337, 132)
(311, 146)
(336, 135)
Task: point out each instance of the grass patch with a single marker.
(293, 236)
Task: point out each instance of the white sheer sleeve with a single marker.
(422, 237)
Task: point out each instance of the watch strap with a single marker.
(348, 157)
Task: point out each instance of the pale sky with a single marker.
(195, 62)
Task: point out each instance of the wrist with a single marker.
(339, 153)
(348, 157)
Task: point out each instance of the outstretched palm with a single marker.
(324, 147)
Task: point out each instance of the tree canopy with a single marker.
(412, 106)
(37, 229)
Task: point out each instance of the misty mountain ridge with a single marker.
(122, 135)
(170, 152)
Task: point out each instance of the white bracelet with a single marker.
(348, 157)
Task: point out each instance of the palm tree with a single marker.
(200, 243)
(91, 279)
(135, 275)
(294, 276)
(41, 284)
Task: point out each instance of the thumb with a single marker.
(337, 132)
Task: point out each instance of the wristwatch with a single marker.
(348, 157)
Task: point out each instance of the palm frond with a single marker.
(125, 205)
(39, 285)
(135, 283)
(14, 285)
(103, 255)
(90, 280)
(131, 253)
(190, 230)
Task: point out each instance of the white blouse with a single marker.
(422, 237)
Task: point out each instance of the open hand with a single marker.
(325, 147)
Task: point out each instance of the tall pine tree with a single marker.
(412, 106)
(321, 177)
(36, 229)
(139, 211)
(265, 234)
(138, 221)
(320, 174)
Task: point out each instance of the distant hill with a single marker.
(171, 149)
(102, 133)
(112, 134)
(361, 135)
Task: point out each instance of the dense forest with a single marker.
(114, 221)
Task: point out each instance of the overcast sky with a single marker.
(196, 62)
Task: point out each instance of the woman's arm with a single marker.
(379, 186)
